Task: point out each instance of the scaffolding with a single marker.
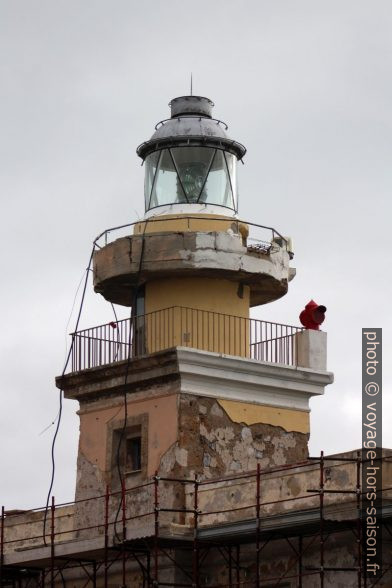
(171, 524)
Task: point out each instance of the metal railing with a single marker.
(185, 327)
(260, 237)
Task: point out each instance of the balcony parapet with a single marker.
(181, 247)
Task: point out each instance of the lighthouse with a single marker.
(193, 466)
(190, 384)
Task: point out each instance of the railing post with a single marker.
(80, 353)
(72, 354)
(295, 348)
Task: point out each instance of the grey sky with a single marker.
(305, 85)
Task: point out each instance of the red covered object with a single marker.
(313, 315)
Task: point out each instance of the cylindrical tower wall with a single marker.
(204, 313)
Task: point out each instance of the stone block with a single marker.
(312, 349)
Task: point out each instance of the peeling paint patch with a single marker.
(251, 414)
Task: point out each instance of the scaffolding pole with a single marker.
(52, 537)
(258, 481)
(321, 503)
(195, 557)
(156, 527)
(106, 536)
(359, 521)
(124, 534)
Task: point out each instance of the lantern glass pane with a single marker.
(166, 187)
(231, 161)
(192, 164)
(191, 175)
(218, 186)
(149, 175)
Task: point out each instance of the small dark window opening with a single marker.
(133, 454)
(129, 450)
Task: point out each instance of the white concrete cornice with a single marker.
(235, 378)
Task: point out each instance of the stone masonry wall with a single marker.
(211, 445)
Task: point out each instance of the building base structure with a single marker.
(295, 525)
(226, 494)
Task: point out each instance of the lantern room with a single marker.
(191, 161)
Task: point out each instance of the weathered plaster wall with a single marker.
(211, 444)
(156, 411)
(25, 530)
(97, 422)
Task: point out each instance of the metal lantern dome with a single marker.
(190, 159)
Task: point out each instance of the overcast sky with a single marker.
(304, 84)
